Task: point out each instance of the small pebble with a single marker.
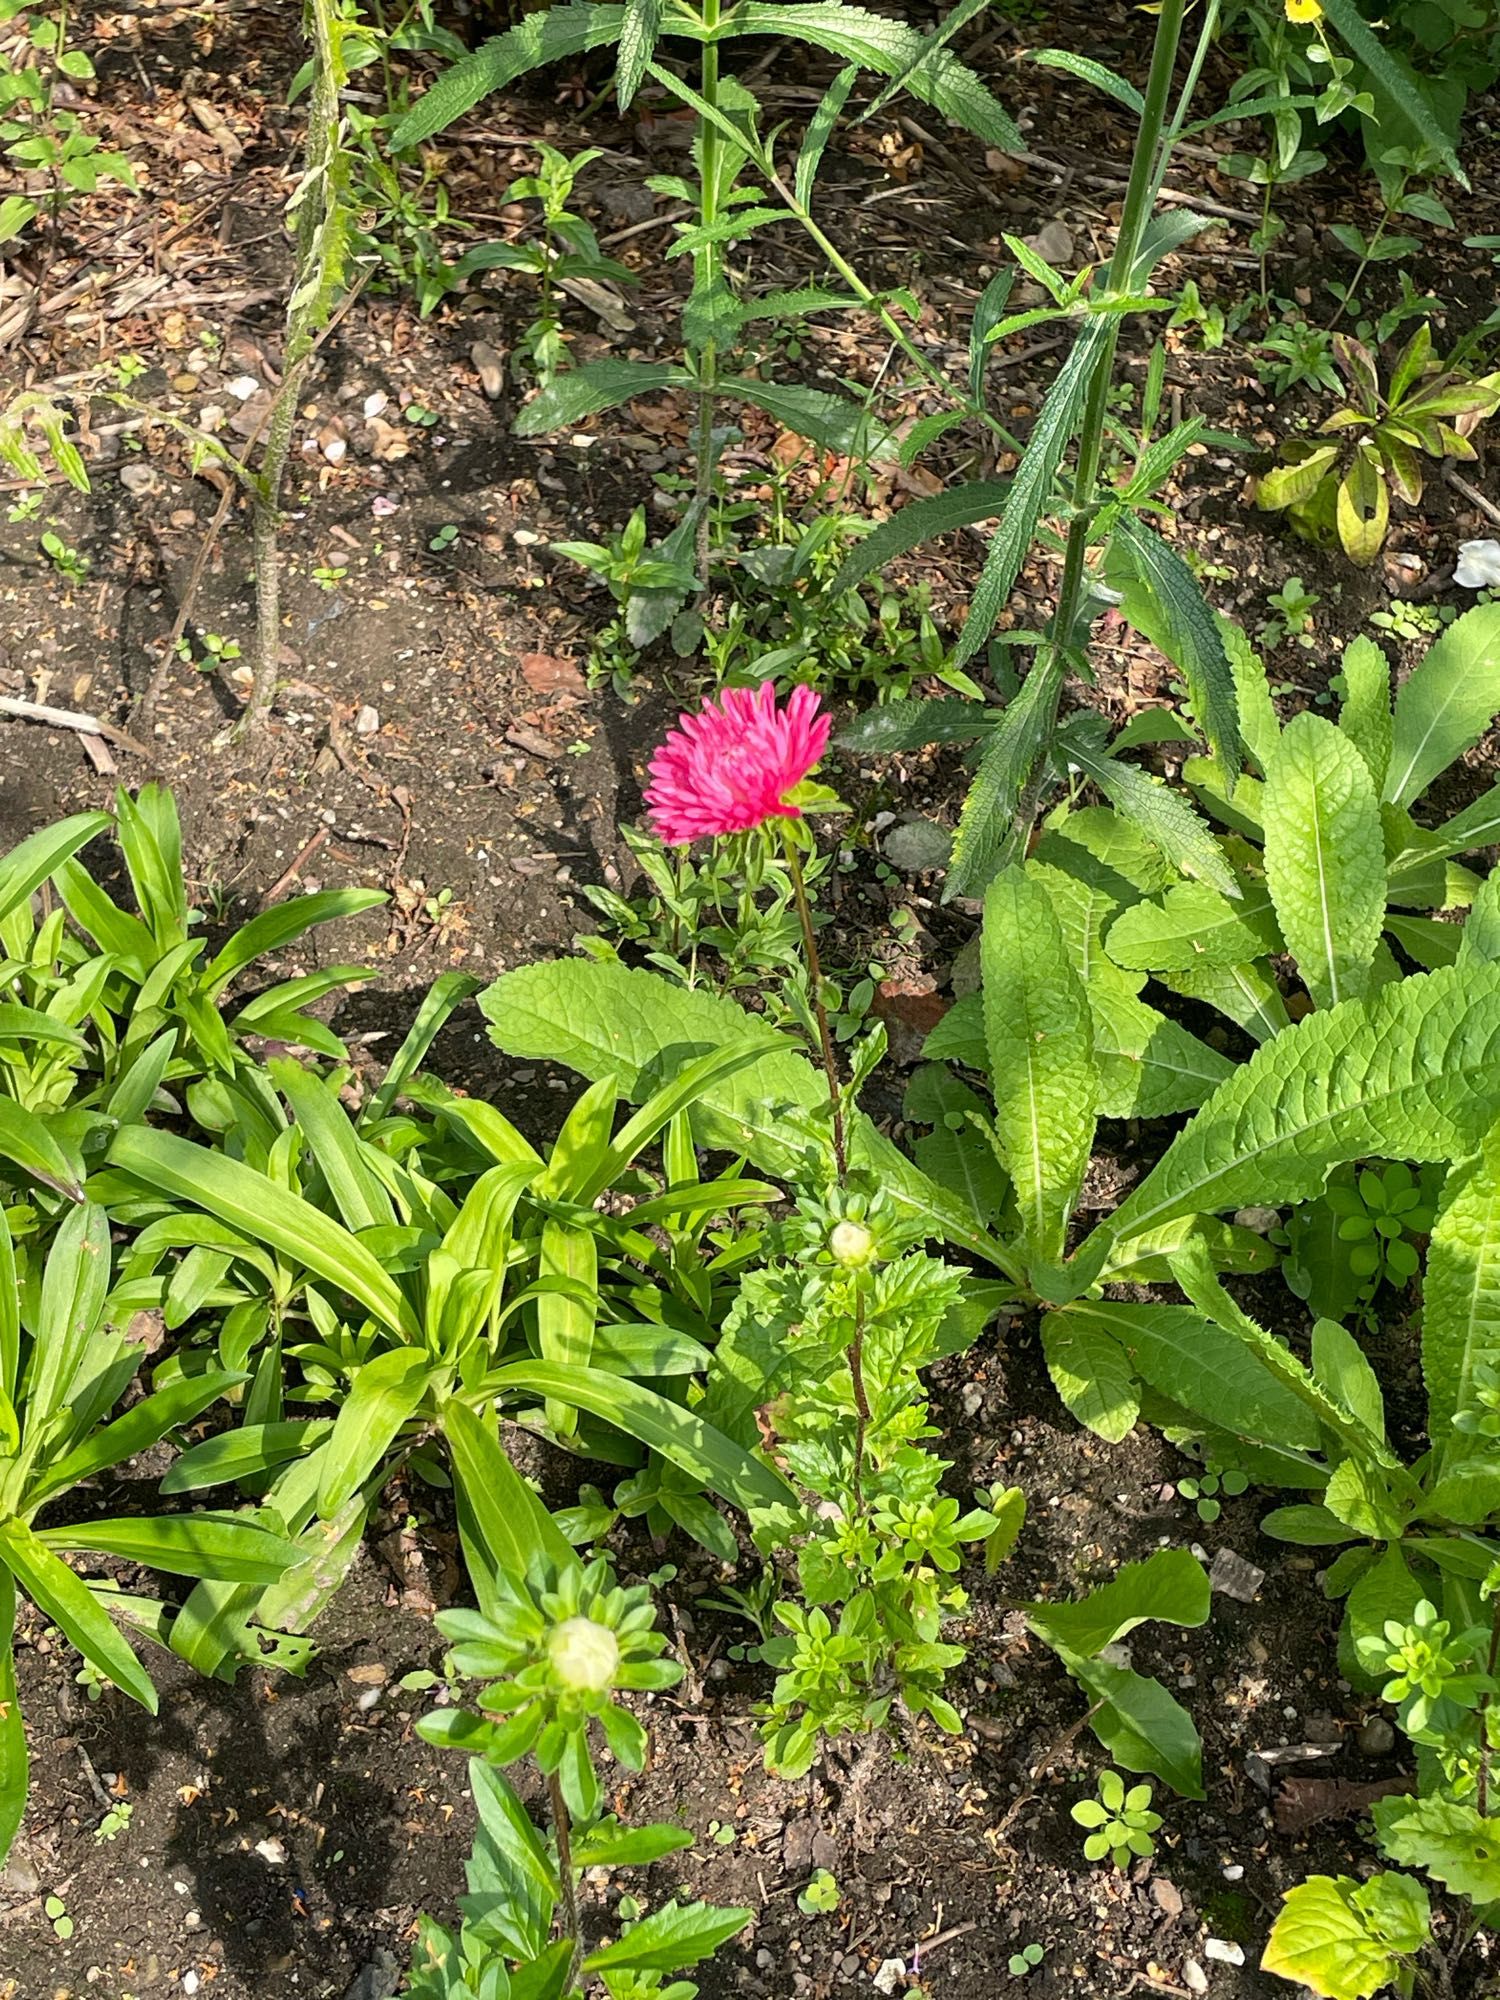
(1223, 1951)
(1194, 1978)
(1166, 1896)
(1234, 1872)
(1376, 1737)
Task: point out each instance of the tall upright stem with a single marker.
(562, 1828)
(820, 1012)
(706, 276)
(1146, 166)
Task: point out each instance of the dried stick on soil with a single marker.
(1472, 493)
(70, 718)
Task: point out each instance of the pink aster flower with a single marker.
(730, 766)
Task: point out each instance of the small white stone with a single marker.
(243, 387)
(891, 1971)
(1234, 1872)
(373, 405)
(273, 1851)
(367, 722)
(525, 538)
(190, 1982)
(1194, 1978)
(1223, 1951)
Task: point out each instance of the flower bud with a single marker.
(852, 1245)
(584, 1655)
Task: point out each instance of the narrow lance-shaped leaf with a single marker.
(1325, 857)
(1365, 713)
(1168, 822)
(15, 1772)
(820, 130)
(638, 33)
(540, 39)
(1040, 1038)
(1018, 740)
(1186, 631)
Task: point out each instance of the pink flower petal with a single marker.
(730, 766)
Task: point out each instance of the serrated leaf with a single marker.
(1032, 482)
(1010, 756)
(1247, 994)
(1325, 857)
(917, 522)
(1394, 80)
(1461, 1290)
(598, 385)
(1168, 822)
(638, 32)
(1365, 712)
(833, 422)
(1089, 1371)
(820, 130)
(1088, 71)
(912, 724)
(1411, 1074)
(1322, 1940)
(1259, 728)
(1455, 1844)
(961, 15)
(1183, 626)
(539, 39)
(1446, 704)
(1039, 1037)
(1193, 926)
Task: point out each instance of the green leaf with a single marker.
(254, 1205)
(918, 522)
(234, 1548)
(357, 1189)
(1018, 740)
(833, 422)
(1393, 80)
(1032, 483)
(1325, 857)
(1461, 1291)
(1323, 1939)
(15, 1768)
(1203, 1368)
(598, 385)
(1167, 821)
(27, 1141)
(820, 131)
(607, 1020)
(1171, 1585)
(1142, 1726)
(638, 32)
(1411, 1074)
(1186, 631)
(515, 1525)
(75, 1283)
(676, 1935)
(1365, 712)
(1040, 1040)
(961, 15)
(136, 1431)
(282, 925)
(1259, 727)
(1092, 72)
(856, 35)
(387, 1391)
(67, 1600)
(1307, 1526)
(1246, 993)
(242, 1453)
(914, 723)
(678, 1434)
(1089, 1371)
(1338, 1362)
(28, 864)
(1457, 1845)
(565, 1322)
(538, 40)
(1446, 704)
(1195, 926)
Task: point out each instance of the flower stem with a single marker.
(562, 1827)
(820, 1013)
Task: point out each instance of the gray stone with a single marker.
(917, 845)
(1233, 1577)
(379, 1979)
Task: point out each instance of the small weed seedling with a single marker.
(1120, 1823)
(1026, 1960)
(1204, 1489)
(70, 564)
(821, 1896)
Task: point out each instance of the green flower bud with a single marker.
(584, 1655)
(852, 1245)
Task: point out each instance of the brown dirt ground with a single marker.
(500, 779)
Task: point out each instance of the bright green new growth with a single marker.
(1120, 1822)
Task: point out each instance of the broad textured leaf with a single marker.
(1018, 740)
(607, 1020)
(1323, 1941)
(918, 522)
(540, 39)
(1461, 1291)
(1168, 822)
(1245, 993)
(1480, 942)
(1170, 1585)
(1412, 1074)
(1169, 606)
(1457, 1845)
(1365, 712)
(1393, 80)
(1040, 1040)
(267, 1213)
(1259, 727)
(676, 1935)
(1325, 857)
(1339, 1363)
(960, 16)
(1194, 925)
(1032, 483)
(1149, 1066)
(1089, 1371)
(598, 385)
(913, 724)
(1446, 704)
